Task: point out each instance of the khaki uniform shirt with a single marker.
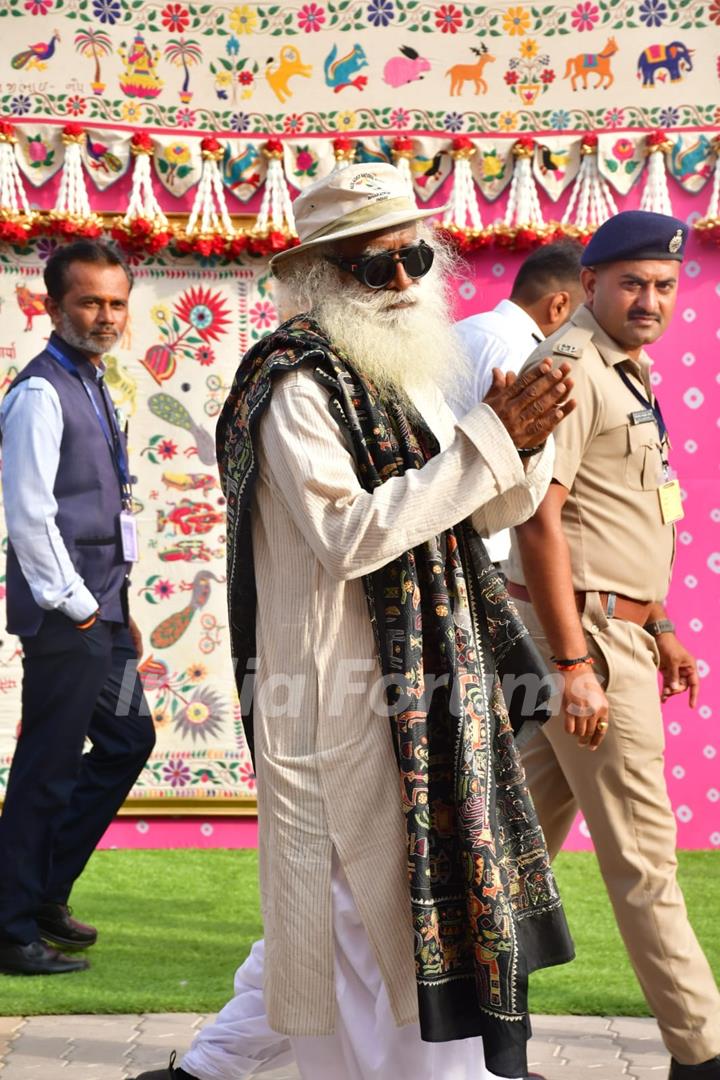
(327, 773)
(611, 467)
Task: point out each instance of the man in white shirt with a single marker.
(545, 293)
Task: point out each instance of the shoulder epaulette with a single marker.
(572, 343)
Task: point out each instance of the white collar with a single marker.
(523, 321)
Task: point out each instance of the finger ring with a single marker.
(601, 725)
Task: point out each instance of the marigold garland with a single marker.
(144, 230)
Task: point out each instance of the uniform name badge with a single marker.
(129, 536)
(671, 506)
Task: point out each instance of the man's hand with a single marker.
(585, 706)
(136, 637)
(532, 406)
(678, 668)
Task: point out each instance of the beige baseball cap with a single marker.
(357, 199)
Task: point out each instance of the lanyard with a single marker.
(654, 408)
(113, 439)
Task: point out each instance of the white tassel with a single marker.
(16, 218)
(276, 212)
(143, 228)
(463, 210)
(72, 214)
(402, 151)
(591, 202)
(708, 227)
(524, 224)
(143, 201)
(209, 214)
(523, 205)
(655, 196)
(344, 149)
(13, 199)
(72, 197)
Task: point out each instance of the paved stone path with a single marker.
(119, 1047)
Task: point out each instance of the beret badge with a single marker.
(676, 242)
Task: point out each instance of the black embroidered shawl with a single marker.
(485, 905)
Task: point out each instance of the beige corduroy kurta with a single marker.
(327, 773)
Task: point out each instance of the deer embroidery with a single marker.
(462, 73)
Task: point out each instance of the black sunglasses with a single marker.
(377, 271)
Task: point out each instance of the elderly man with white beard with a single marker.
(406, 890)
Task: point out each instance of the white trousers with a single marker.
(366, 1044)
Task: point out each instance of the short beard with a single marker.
(85, 343)
(397, 340)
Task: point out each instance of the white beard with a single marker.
(398, 340)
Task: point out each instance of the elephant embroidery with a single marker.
(663, 60)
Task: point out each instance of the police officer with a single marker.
(590, 572)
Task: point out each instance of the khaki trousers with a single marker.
(620, 790)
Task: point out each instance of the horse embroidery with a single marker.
(584, 64)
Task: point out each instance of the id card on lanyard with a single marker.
(671, 508)
(113, 438)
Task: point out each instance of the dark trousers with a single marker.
(59, 800)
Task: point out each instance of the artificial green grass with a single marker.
(174, 925)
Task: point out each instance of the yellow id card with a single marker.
(670, 502)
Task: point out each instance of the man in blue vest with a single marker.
(72, 539)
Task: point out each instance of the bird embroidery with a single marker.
(101, 158)
(170, 630)
(30, 303)
(35, 56)
(554, 161)
(424, 169)
(691, 160)
(236, 166)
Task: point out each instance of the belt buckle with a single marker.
(611, 602)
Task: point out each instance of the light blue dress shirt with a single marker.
(31, 423)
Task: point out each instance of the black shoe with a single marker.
(708, 1070)
(37, 958)
(171, 1073)
(57, 924)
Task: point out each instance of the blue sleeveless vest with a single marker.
(87, 490)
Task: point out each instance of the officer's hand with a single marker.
(678, 668)
(531, 406)
(585, 706)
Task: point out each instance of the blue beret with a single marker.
(637, 234)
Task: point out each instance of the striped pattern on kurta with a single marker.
(327, 773)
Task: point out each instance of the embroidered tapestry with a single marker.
(169, 376)
(363, 65)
